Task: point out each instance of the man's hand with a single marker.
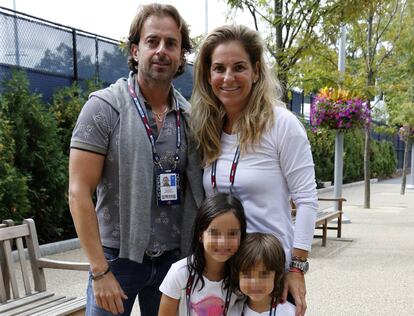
(109, 294)
(295, 284)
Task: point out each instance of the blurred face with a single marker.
(221, 239)
(232, 76)
(158, 52)
(257, 283)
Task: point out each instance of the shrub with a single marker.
(37, 157)
(66, 106)
(383, 160)
(353, 156)
(323, 152)
(14, 203)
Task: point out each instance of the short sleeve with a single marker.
(94, 126)
(175, 281)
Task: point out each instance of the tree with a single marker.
(399, 87)
(374, 35)
(113, 65)
(61, 61)
(288, 28)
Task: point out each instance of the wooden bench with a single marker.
(324, 217)
(35, 300)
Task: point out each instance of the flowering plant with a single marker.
(406, 133)
(336, 109)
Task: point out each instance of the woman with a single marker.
(252, 146)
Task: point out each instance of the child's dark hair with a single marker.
(256, 248)
(213, 206)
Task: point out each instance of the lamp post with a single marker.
(339, 139)
(206, 17)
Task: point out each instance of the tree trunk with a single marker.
(281, 69)
(405, 167)
(282, 77)
(367, 171)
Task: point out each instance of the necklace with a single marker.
(160, 116)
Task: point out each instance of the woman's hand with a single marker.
(295, 285)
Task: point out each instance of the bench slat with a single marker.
(321, 218)
(72, 306)
(3, 293)
(6, 279)
(27, 308)
(45, 306)
(24, 300)
(14, 232)
(23, 266)
(9, 262)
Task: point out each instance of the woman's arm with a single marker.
(298, 169)
(168, 306)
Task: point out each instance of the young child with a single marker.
(199, 285)
(258, 272)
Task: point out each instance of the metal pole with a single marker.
(339, 140)
(206, 17)
(97, 76)
(341, 54)
(16, 37)
(339, 162)
(410, 184)
(75, 56)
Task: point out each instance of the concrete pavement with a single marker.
(369, 271)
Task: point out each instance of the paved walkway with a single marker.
(370, 271)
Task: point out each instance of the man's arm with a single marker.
(85, 170)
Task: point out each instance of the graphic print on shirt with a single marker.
(208, 306)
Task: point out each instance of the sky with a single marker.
(112, 18)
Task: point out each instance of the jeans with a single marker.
(142, 279)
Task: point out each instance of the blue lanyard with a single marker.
(232, 171)
(148, 129)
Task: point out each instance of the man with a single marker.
(127, 138)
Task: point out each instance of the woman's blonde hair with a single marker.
(207, 112)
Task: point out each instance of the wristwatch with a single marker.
(301, 265)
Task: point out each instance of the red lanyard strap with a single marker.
(148, 129)
(232, 171)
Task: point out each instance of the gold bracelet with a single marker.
(299, 258)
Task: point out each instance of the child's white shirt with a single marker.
(209, 300)
(286, 309)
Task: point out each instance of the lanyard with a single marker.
(156, 157)
(232, 171)
(272, 310)
(189, 287)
